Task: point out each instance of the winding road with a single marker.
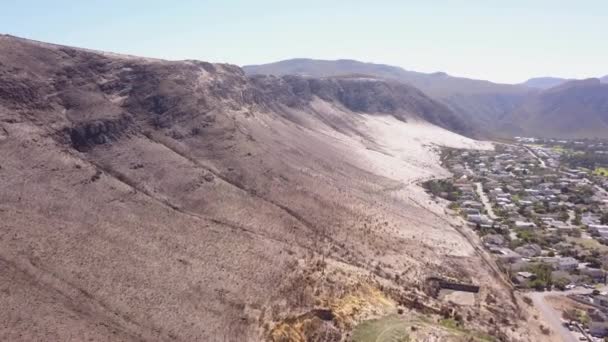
(485, 201)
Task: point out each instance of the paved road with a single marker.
(542, 162)
(485, 201)
(552, 316)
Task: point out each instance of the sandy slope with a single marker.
(152, 200)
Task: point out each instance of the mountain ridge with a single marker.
(491, 110)
(181, 200)
(545, 82)
(478, 102)
(577, 108)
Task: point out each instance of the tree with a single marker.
(561, 283)
(604, 218)
(577, 219)
(543, 276)
(563, 216)
(538, 284)
(570, 314)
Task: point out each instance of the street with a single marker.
(542, 162)
(485, 201)
(552, 316)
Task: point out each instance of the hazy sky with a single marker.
(505, 41)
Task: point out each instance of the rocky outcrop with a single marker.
(87, 134)
(359, 94)
(97, 96)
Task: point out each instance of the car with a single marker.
(570, 286)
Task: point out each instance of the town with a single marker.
(540, 206)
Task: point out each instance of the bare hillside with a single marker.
(543, 106)
(479, 103)
(148, 200)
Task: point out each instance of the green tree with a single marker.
(577, 219)
(604, 218)
(561, 283)
(543, 274)
(563, 216)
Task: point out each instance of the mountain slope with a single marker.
(575, 109)
(480, 103)
(544, 106)
(544, 82)
(156, 200)
(362, 95)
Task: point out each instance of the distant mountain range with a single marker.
(535, 107)
(550, 82)
(572, 109)
(544, 82)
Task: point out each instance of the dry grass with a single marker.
(193, 221)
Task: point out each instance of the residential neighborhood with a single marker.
(541, 208)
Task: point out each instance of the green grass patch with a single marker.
(386, 329)
(592, 244)
(450, 324)
(559, 149)
(395, 328)
(601, 171)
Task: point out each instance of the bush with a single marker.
(543, 276)
(442, 186)
(561, 283)
(545, 330)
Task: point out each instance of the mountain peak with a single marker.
(544, 82)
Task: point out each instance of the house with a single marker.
(601, 230)
(601, 300)
(596, 274)
(589, 219)
(567, 264)
(524, 225)
(524, 277)
(529, 250)
(493, 240)
(505, 255)
(598, 329)
(471, 211)
(509, 207)
(481, 219)
(561, 263)
(471, 204)
(563, 227)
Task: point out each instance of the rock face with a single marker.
(479, 103)
(545, 106)
(101, 97)
(183, 201)
(86, 134)
(359, 94)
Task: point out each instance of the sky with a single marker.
(502, 41)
